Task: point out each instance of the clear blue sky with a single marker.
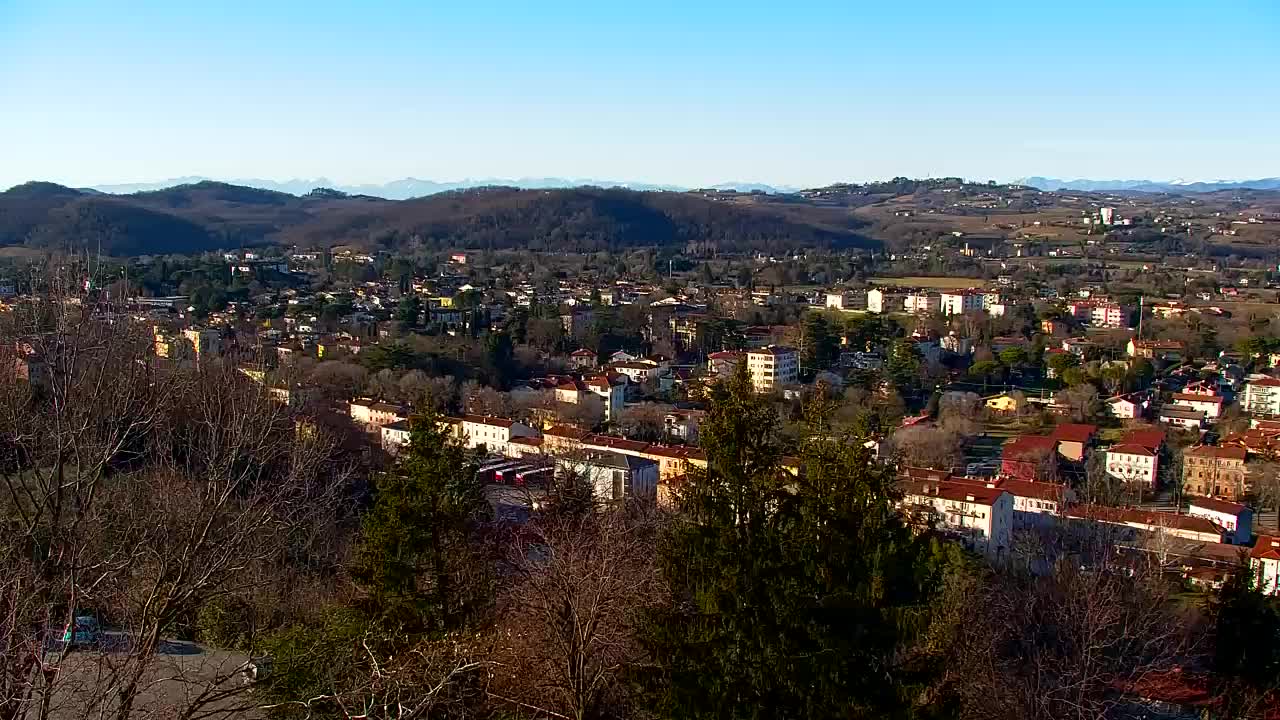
(687, 92)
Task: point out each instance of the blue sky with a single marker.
(682, 92)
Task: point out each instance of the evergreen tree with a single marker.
(1246, 653)
(415, 559)
(792, 594)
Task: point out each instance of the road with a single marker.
(180, 675)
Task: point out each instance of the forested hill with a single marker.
(208, 215)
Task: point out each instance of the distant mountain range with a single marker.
(1173, 186)
(408, 188)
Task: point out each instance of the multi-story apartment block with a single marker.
(959, 302)
(1262, 396)
(883, 301)
(773, 367)
(922, 303)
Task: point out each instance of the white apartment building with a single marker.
(373, 415)
(1262, 396)
(922, 303)
(846, 301)
(880, 301)
(491, 432)
(980, 514)
(773, 367)
(1132, 463)
(959, 302)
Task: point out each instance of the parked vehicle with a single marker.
(84, 631)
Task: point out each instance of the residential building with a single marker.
(980, 515)
(395, 435)
(1074, 440)
(1151, 522)
(1210, 405)
(1156, 349)
(373, 415)
(1078, 346)
(922, 303)
(723, 363)
(1213, 471)
(846, 300)
(1133, 464)
(1127, 407)
(1030, 457)
(1234, 518)
(1007, 403)
(959, 302)
(1182, 417)
(493, 433)
(883, 301)
(1099, 313)
(612, 392)
(773, 367)
(637, 371)
(955, 344)
(1261, 396)
(613, 477)
(583, 359)
(1265, 561)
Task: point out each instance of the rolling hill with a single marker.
(208, 215)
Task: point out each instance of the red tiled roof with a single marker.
(915, 473)
(954, 491)
(1192, 397)
(1266, 382)
(1216, 505)
(1145, 517)
(1150, 439)
(582, 352)
(1074, 432)
(1213, 451)
(1028, 445)
(565, 431)
(531, 441)
(725, 355)
(486, 420)
(1267, 547)
(1131, 449)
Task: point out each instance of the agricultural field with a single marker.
(940, 283)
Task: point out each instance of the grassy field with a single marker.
(931, 282)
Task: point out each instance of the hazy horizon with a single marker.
(667, 94)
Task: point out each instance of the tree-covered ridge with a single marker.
(207, 215)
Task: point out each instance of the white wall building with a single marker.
(1210, 405)
(1261, 396)
(491, 432)
(959, 302)
(773, 367)
(1265, 561)
(1133, 464)
(882, 301)
(922, 303)
(981, 515)
(613, 477)
(1235, 518)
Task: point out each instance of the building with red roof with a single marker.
(1074, 439)
(1030, 457)
(1265, 561)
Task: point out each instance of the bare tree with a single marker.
(1063, 642)
(572, 614)
(136, 492)
(928, 446)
